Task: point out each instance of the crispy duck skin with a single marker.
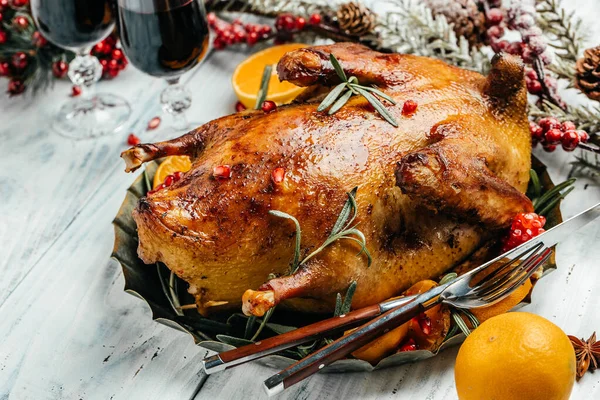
(430, 192)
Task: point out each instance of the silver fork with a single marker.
(459, 293)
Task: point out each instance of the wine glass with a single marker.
(77, 25)
(165, 38)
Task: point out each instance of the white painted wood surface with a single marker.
(67, 329)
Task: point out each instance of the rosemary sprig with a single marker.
(264, 87)
(350, 86)
(342, 229)
(343, 306)
(543, 203)
(460, 323)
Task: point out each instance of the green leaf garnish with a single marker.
(353, 87)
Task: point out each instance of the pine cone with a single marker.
(356, 19)
(468, 20)
(587, 73)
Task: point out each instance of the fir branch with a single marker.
(583, 165)
(561, 28)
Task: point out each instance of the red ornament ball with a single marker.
(21, 22)
(19, 60)
(315, 19)
(60, 69)
(268, 106)
(16, 86)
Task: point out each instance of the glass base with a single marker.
(86, 118)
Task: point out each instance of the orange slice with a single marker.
(169, 166)
(248, 74)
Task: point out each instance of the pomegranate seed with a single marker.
(570, 140)
(549, 123)
(169, 180)
(133, 140)
(424, 323)
(75, 91)
(409, 107)
(553, 136)
(409, 345)
(268, 106)
(222, 172)
(315, 19)
(533, 224)
(153, 123)
(568, 126)
(177, 175)
(278, 175)
(495, 16)
(239, 106)
(300, 23)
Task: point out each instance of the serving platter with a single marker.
(165, 293)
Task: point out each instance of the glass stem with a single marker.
(175, 100)
(84, 71)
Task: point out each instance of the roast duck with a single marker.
(430, 191)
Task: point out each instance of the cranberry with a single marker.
(20, 3)
(534, 87)
(278, 175)
(515, 48)
(300, 23)
(500, 45)
(222, 172)
(409, 107)
(133, 140)
(495, 31)
(537, 133)
(19, 60)
(285, 22)
(218, 43)
(252, 38)
(99, 48)
(549, 123)
(568, 126)
(59, 69)
(240, 36)
(21, 22)
(153, 123)
(268, 106)
(265, 30)
(408, 345)
(75, 91)
(531, 74)
(315, 19)
(553, 136)
(495, 16)
(570, 140)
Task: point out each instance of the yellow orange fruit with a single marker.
(169, 166)
(248, 74)
(505, 305)
(515, 356)
(384, 345)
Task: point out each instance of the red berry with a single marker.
(116, 54)
(315, 19)
(568, 126)
(99, 48)
(19, 60)
(495, 16)
(553, 136)
(570, 140)
(515, 48)
(59, 69)
(75, 91)
(133, 140)
(268, 106)
(4, 69)
(113, 64)
(534, 87)
(252, 38)
(531, 74)
(495, 31)
(16, 86)
(240, 36)
(408, 345)
(21, 22)
(222, 172)
(500, 45)
(537, 133)
(424, 323)
(409, 107)
(265, 30)
(153, 123)
(218, 43)
(583, 135)
(549, 123)
(3, 37)
(239, 106)
(38, 40)
(300, 23)
(278, 175)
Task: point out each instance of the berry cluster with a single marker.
(521, 17)
(524, 227)
(550, 132)
(534, 86)
(111, 57)
(169, 180)
(236, 32)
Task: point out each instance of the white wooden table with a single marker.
(67, 329)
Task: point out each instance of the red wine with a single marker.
(73, 24)
(165, 38)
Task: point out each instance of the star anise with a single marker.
(587, 354)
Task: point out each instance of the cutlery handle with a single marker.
(347, 344)
(289, 339)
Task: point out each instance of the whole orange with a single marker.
(513, 356)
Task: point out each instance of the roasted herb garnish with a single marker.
(350, 86)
